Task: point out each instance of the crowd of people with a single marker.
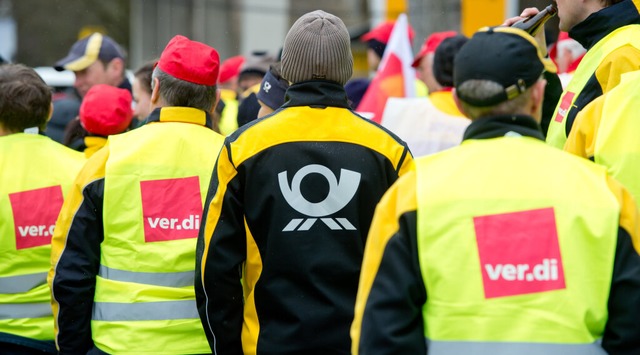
(245, 206)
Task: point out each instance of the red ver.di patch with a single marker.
(34, 215)
(171, 208)
(519, 253)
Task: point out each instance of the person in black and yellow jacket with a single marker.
(123, 253)
(289, 208)
(610, 31)
(37, 173)
(474, 252)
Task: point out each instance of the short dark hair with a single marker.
(25, 99)
(143, 74)
(176, 92)
(608, 3)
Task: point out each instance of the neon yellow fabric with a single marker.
(443, 101)
(229, 120)
(607, 130)
(29, 162)
(125, 234)
(575, 313)
(93, 144)
(604, 61)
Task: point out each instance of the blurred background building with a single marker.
(39, 32)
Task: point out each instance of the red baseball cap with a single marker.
(430, 45)
(382, 33)
(230, 68)
(106, 110)
(190, 61)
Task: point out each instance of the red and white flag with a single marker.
(395, 77)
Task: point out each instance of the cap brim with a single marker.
(74, 64)
(61, 64)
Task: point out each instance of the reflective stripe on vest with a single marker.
(21, 283)
(116, 312)
(167, 279)
(557, 133)
(493, 348)
(616, 145)
(504, 256)
(25, 310)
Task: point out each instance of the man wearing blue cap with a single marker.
(95, 59)
(475, 252)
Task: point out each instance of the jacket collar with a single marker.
(600, 24)
(500, 126)
(180, 114)
(316, 93)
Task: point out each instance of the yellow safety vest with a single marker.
(510, 262)
(144, 300)
(617, 146)
(36, 173)
(627, 35)
(229, 119)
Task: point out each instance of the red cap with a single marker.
(190, 61)
(230, 68)
(382, 33)
(106, 110)
(430, 44)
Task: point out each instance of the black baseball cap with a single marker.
(87, 50)
(507, 56)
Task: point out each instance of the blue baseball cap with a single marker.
(87, 50)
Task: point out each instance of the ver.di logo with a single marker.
(341, 191)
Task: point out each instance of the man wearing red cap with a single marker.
(228, 85)
(423, 62)
(123, 252)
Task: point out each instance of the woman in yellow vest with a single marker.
(36, 172)
(474, 252)
(123, 252)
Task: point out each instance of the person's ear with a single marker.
(50, 111)
(459, 104)
(537, 97)
(115, 69)
(155, 91)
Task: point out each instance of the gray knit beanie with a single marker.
(317, 47)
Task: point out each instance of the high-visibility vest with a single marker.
(512, 264)
(627, 35)
(153, 199)
(616, 142)
(229, 118)
(36, 173)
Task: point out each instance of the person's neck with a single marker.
(591, 7)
